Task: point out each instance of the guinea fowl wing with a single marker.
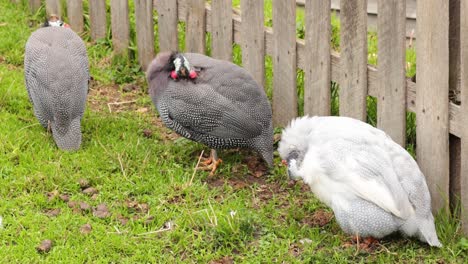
(364, 166)
(201, 109)
(34, 68)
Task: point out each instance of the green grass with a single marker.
(148, 182)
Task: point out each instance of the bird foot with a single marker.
(210, 164)
(364, 244)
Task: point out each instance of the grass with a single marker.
(158, 209)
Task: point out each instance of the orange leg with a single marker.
(211, 163)
(365, 243)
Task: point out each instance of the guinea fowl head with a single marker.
(171, 64)
(54, 21)
(181, 67)
(294, 145)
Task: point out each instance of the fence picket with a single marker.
(464, 105)
(318, 69)
(391, 63)
(54, 7)
(284, 62)
(353, 81)
(75, 15)
(34, 5)
(120, 26)
(253, 39)
(432, 120)
(144, 31)
(195, 35)
(221, 29)
(167, 25)
(97, 17)
(454, 93)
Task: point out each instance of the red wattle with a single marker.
(173, 75)
(193, 74)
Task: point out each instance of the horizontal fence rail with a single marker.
(437, 117)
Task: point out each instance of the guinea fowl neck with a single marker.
(159, 83)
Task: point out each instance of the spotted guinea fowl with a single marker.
(372, 184)
(213, 102)
(56, 74)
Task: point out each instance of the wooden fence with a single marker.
(442, 58)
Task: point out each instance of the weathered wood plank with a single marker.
(454, 47)
(75, 15)
(54, 7)
(221, 29)
(144, 32)
(284, 62)
(120, 26)
(97, 17)
(318, 70)
(167, 25)
(34, 5)
(252, 39)
(464, 106)
(391, 103)
(195, 27)
(454, 86)
(432, 109)
(353, 81)
(455, 114)
(182, 9)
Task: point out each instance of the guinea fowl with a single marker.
(372, 184)
(213, 102)
(57, 75)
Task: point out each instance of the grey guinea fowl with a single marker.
(372, 184)
(56, 73)
(210, 101)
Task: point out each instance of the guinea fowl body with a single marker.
(223, 107)
(57, 75)
(372, 184)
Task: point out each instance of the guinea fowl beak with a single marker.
(183, 71)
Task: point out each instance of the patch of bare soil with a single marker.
(368, 245)
(295, 250)
(138, 211)
(101, 211)
(53, 212)
(45, 246)
(257, 167)
(224, 260)
(319, 218)
(263, 192)
(111, 98)
(86, 229)
(115, 99)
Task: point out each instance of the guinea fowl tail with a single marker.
(67, 137)
(264, 145)
(268, 157)
(427, 232)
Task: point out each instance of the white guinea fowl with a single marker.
(372, 184)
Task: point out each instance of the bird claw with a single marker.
(207, 161)
(209, 164)
(364, 244)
